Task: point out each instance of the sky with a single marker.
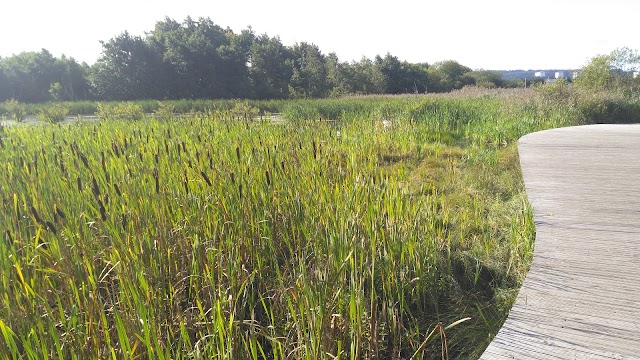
(480, 34)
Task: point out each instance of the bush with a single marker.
(165, 111)
(16, 109)
(53, 114)
(120, 111)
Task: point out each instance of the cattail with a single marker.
(50, 227)
(84, 160)
(115, 186)
(102, 162)
(166, 147)
(116, 151)
(157, 180)
(186, 186)
(35, 215)
(315, 150)
(94, 187)
(103, 211)
(59, 211)
(233, 178)
(268, 178)
(79, 182)
(124, 220)
(238, 153)
(156, 158)
(240, 190)
(63, 169)
(282, 165)
(205, 177)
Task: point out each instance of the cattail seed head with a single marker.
(94, 187)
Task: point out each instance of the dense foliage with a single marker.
(218, 236)
(198, 59)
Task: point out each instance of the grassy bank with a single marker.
(209, 237)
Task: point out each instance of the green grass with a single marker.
(206, 237)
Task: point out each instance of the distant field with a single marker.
(210, 236)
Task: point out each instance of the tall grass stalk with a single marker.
(209, 237)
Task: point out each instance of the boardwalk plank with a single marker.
(581, 298)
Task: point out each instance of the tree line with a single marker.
(199, 59)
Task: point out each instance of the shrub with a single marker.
(120, 111)
(16, 109)
(53, 114)
(165, 111)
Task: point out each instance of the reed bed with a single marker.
(207, 237)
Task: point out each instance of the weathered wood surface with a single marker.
(581, 298)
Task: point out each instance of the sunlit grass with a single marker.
(207, 237)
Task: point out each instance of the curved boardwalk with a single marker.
(581, 298)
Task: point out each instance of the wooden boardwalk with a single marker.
(581, 298)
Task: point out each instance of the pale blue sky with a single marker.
(487, 34)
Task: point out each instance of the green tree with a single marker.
(402, 77)
(368, 78)
(72, 78)
(610, 72)
(29, 75)
(596, 74)
(5, 90)
(234, 57)
(309, 78)
(448, 75)
(128, 69)
(486, 78)
(199, 54)
(270, 68)
(340, 76)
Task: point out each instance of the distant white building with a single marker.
(560, 75)
(636, 74)
(540, 74)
